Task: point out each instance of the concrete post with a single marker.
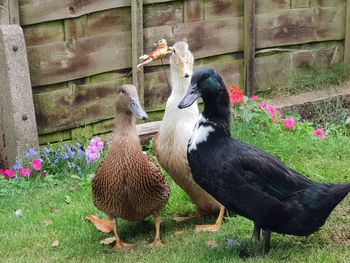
(18, 130)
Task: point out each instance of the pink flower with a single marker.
(25, 172)
(236, 95)
(255, 98)
(37, 164)
(97, 142)
(2, 171)
(263, 105)
(320, 133)
(9, 173)
(93, 153)
(273, 111)
(289, 123)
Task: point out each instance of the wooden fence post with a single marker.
(4, 12)
(137, 45)
(13, 12)
(18, 130)
(9, 12)
(347, 34)
(249, 46)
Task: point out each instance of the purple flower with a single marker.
(31, 152)
(46, 150)
(97, 142)
(80, 153)
(65, 157)
(18, 165)
(55, 161)
(70, 153)
(92, 153)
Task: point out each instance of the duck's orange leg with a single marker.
(157, 241)
(104, 225)
(215, 227)
(196, 217)
(119, 244)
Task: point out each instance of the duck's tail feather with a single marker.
(311, 208)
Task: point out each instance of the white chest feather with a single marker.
(200, 134)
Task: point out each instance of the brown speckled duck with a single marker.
(128, 184)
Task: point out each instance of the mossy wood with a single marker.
(249, 46)
(347, 34)
(80, 51)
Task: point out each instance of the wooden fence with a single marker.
(79, 51)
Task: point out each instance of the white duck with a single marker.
(171, 141)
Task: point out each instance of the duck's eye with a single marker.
(206, 76)
(174, 51)
(122, 91)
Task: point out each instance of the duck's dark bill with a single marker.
(191, 96)
(137, 110)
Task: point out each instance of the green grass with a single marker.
(66, 202)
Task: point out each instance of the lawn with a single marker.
(51, 225)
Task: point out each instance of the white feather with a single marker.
(200, 134)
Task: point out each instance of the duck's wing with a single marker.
(263, 171)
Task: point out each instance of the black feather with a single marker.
(250, 181)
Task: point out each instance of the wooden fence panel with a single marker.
(214, 10)
(137, 46)
(347, 34)
(109, 21)
(82, 57)
(37, 11)
(326, 3)
(75, 106)
(269, 6)
(44, 33)
(162, 14)
(80, 51)
(297, 26)
(193, 11)
(79, 58)
(300, 3)
(80, 105)
(4, 12)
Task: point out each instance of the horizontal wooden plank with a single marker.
(206, 38)
(44, 33)
(329, 23)
(55, 137)
(163, 14)
(77, 58)
(214, 10)
(300, 3)
(83, 57)
(75, 27)
(109, 21)
(37, 11)
(193, 11)
(269, 6)
(285, 27)
(75, 106)
(297, 26)
(326, 3)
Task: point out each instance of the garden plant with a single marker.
(46, 195)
